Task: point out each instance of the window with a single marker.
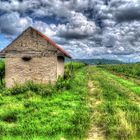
(26, 58)
(60, 58)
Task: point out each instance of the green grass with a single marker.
(70, 108)
(118, 111)
(53, 111)
(126, 83)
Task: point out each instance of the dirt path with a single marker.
(95, 132)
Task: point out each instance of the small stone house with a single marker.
(33, 56)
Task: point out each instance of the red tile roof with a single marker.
(52, 43)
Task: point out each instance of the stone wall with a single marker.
(60, 66)
(39, 70)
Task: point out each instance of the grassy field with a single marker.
(128, 70)
(89, 103)
(116, 105)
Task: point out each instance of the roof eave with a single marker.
(68, 56)
(2, 55)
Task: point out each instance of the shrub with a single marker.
(9, 117)
(63, 84)
(40, 89)
(2, 70)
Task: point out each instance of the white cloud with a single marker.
(15, 5)
(78, 27)
(80, 33)
(13, 24)
(49, 30)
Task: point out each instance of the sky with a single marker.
(87, 29)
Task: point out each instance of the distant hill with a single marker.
(98, 61)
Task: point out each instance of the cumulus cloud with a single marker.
(129, 14)
(13, 24)
(49, 30)
(77, 28)
(16, 5)
(85, 28)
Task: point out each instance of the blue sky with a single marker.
(87, 29)
(3, 41)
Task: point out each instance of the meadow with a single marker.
(90, 102)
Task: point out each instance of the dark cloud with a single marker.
(73, 35)
(128, 14)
